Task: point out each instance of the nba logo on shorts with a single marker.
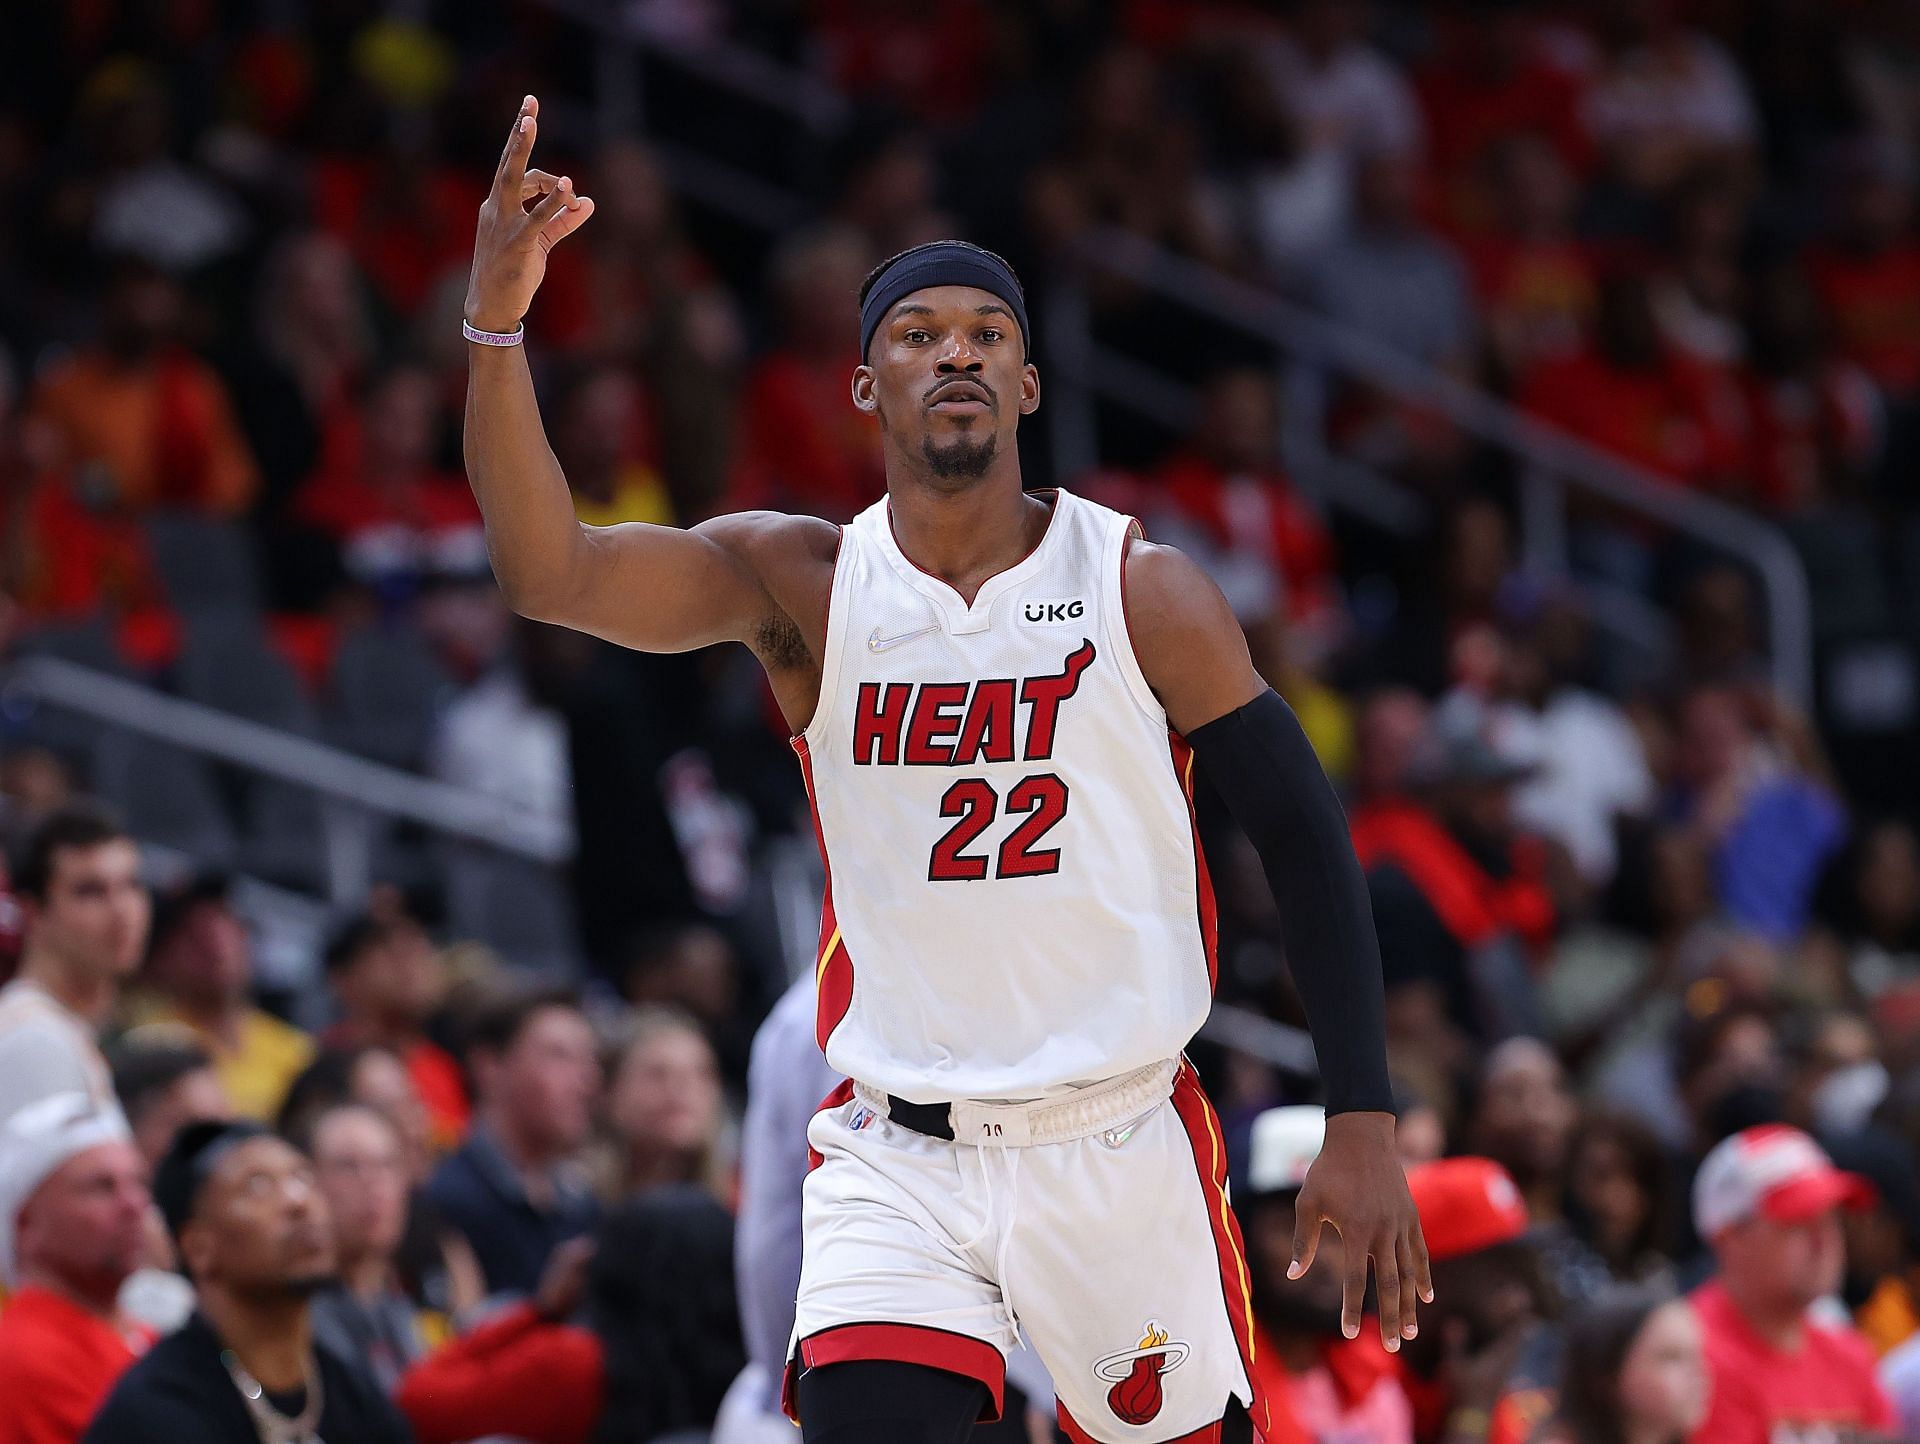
(862, 1116)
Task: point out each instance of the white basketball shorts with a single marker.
(1099, 1222)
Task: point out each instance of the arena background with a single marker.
(1539, 381)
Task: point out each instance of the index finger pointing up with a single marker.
(513, 160)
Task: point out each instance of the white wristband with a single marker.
(493, 338)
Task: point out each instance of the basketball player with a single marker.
(997, 700)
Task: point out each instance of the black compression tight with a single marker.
(882, 1402)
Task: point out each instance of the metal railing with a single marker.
(745, 72)
(1553, 462)
(357, 795)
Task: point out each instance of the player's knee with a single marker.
(880, 1401)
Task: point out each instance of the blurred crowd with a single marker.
(1650, 929)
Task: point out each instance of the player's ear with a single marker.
(1029, 389)
(864, 398)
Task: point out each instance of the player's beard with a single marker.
(960, 459)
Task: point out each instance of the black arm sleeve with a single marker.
(1260, 761)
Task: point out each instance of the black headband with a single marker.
(942, 263)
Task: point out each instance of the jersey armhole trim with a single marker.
(829, 649)
(1125, 531)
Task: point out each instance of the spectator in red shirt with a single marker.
(408, 218)
(382, 496)
(1814, 417)
(1631, 394)
(1868, 273)
(928, 61)
(1766, 1200)
(1532, 275)
(1270, 552)
(802, 447)
(1492, 82)
(78, 559)
(1319, 1384)
(389, 980)
(1461, 896)
(73, 1213)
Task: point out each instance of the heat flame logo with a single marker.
(1136, 1395)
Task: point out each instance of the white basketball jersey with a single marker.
(1016, 901)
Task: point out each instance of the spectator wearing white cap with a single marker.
(73, 1208)
(1319, 1384)
(1766, 1201)
(254, 1235)
(86, 924)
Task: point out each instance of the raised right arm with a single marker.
(655, 588)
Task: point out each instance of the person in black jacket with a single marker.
(253, 1230)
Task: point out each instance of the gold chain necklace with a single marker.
(269, 1423)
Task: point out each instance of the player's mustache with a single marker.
(955, 383)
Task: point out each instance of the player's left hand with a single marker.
(1358, 1186)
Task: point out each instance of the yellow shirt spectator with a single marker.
(637, 495)
(256, 1067)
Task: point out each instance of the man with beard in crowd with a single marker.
(253, 1231)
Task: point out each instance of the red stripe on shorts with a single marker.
(1210, 1162)
(940, 1349)
(1205, 1434)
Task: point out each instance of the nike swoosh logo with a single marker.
(878, 643)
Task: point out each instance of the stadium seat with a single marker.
(204, 563)
(1842, 554)
(520, 909)
(388, 687)
(229, 664)
(168, 796)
